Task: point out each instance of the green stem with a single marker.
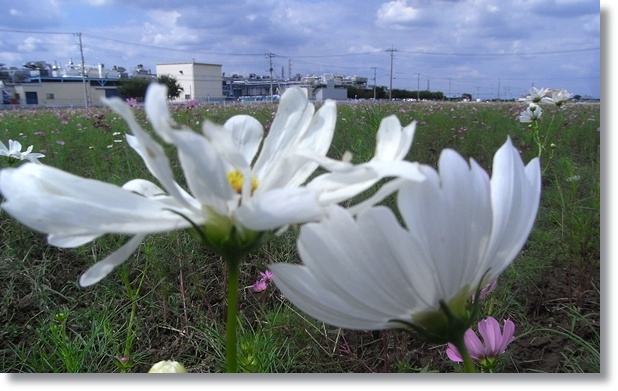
(133, 295)
(232, 310)
(465, 355)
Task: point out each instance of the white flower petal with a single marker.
(315, 140)
(279, 207)
(102, 268)
(298, 285)
(151, 152)
(157, 110)
(63, 205)
(247, 133)
(393, 141)
(515, 195)
(291, 121)
(343, 185)
(204, 170)
(366, 287)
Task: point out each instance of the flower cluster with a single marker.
(533, 113)
(236, 196)
(545, 95)
(457, 228)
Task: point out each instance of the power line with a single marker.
(309, 56)
(502, 54)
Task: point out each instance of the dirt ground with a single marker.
(360, 352)
(542, 352)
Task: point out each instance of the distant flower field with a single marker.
(168, 300)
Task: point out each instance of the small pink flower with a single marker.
(259, 286)
(59, 142)
(487, 289)
(267, 275)
(495, 341)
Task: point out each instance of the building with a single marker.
(43, 84)
(200, 82)
(39, 83)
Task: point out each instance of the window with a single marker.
(187, 96)
(49, 96)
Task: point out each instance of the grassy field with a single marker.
(168, 300)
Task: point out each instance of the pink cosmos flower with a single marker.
(259, 286)
(495, 341)
(267, 275)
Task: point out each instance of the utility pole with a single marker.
(390, 88)
(81, 50)
(418, 87)
(374, 82)
(290, 69)
(270, 68)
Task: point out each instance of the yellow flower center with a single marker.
(236, 178)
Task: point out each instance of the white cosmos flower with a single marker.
(532, 113)
(462, 229)
(14, 152)
(233, 195)
(560, 97)
(537, 95)
(392, 144)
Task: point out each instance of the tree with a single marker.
(358, 93)
(134, 88)
(173, 88)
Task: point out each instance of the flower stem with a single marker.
(465, 355)
(232, 310)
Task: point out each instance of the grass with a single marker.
(168, 300)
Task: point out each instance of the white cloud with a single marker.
(396, 12)
(29, 45)
(163, 30)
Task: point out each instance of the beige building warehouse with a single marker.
(201, 82)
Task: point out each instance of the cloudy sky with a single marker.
(489, 48)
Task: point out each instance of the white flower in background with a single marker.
(392, 144)
(462, 229)
(532, 113)
(233, 198)
(538, 95)
(14, 152)
(560, 97)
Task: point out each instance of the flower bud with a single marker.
(168, 366)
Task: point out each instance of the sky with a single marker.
(487, 48)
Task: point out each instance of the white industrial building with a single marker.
(200, 81)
